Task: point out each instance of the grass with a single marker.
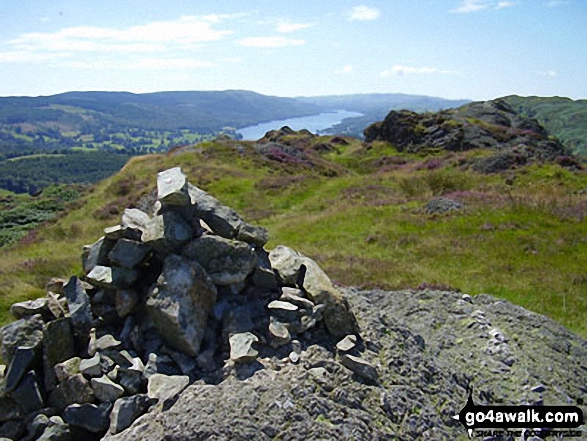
(524, 242)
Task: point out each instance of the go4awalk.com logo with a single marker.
(517, 421)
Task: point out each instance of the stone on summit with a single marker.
(172, 187)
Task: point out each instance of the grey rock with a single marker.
(67, 368)
(241, 347)
(252, 234)
(105, 389)
(79, 306)
(75, 389)
(56, 304)
(90, 417)
(26, 332)
(160, 364)
(222, 220)
(112, 277)
(126, 300)
(283, 310)
(91, 367)
(135, 219)
(58, 346)
(296, 297)
(442, 205)
(129, 253)
(279, 333)
(294, 357)
(339, 319)
(263, 275)
(59, 432)
(30, 307)
(101, 344)
(226, 261)
(172, 187)
(360, 367)
(180, 302)
(347, 343)
(287, 263)
(96, 254)
(21, 363)
(167, 232)
(126, 410)
(185, 363)
(131, 380)
(163, 387)
(28, 393)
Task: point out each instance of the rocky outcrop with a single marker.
(492, 125)
(417, 355)
(186, 293)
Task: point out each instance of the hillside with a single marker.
(375, 106)
(369, 213)
(562, 117)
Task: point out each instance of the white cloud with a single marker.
(364, 13)
(269, 42)
(150, 37)
(292, 27)
(400, 69)
(468, 6)
(346, 70)
(549, 73)
(142, 64)
(503, 5)
(30, 57)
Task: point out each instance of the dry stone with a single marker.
(180, 302)
(172, 187)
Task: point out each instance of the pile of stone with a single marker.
(184, 293)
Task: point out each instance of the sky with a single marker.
(474, 49)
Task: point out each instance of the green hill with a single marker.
(562, 117)
(363, 211)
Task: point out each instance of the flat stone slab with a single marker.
(347, 343)
(241, 347)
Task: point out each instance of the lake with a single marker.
(314, 124)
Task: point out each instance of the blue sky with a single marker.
(477, 49)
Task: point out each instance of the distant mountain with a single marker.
(375, 106)
(562, 117)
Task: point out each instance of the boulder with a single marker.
(172, 187)
(129, 253)
(105, 389)
(96, 254)
(252, 234)
(22, 362)
(180, 302)
(167, 232)
(80, 309)
(56, 304)
(112, 277)
(222, 220)
(75, 389)
(30, 307)
(287, 263)
(26, 332)
(226, 261)
(135, 219)
(90, 417)
(58, 346)
(103, 343)
(28, 393)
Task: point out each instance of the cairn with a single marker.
(183, 294)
